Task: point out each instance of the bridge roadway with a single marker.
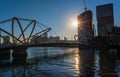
(71, 45)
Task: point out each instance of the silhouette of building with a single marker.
(114, 36)
(85, 27)
(39, 39)
(45, 39)
(105, 20)
(52, 39)
(6, 40)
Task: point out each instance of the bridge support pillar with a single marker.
(19, 56)
(118, 52)
(5, 54)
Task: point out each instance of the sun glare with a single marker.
(75, 23)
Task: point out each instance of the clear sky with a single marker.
(57, 14)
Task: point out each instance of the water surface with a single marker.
(65, 62)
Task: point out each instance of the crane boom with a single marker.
(85, 5)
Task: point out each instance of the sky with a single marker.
(57, 14)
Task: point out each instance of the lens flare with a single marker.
(75, 23)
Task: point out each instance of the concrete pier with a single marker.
(4, 54)
(19, 56)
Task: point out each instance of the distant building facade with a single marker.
(85, 27)
(45, 39)
(114, 36)
(105, 19)
(6, 40)
(52, 39)
(39, 39)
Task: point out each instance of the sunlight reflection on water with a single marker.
(64, 62)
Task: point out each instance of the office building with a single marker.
(85, 27)
(105, 19)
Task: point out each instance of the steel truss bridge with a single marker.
(20, 31)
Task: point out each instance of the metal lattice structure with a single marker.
(22, 37)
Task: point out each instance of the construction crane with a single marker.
(85, 5)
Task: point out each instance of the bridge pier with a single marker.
(4, 54)
(118, 52)
(19, 56)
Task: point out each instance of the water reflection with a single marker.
(107, 62)
(19, 56)
(87, 63)
(77, 62)
(65, 62)
(97, 64)
(117, 67)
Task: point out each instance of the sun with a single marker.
(75, 23)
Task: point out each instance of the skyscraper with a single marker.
(85, 27)
(105, 20)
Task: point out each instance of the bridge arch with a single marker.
(25, 39)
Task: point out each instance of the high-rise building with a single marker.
(85, 27)
(105, 19)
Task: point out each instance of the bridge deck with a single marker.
(71, 45)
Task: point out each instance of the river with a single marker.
(65, 62)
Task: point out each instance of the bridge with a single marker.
(17, 33)
(20, 30)
(71, 45)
